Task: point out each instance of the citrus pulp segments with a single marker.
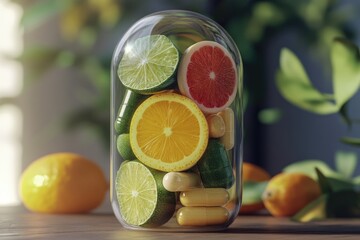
(148, 64)
(207, 74)
(168, 132)
(136, 192)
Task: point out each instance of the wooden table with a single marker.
(18, 223)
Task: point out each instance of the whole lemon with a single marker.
(253, 173)
(62, 183)
(287, 193)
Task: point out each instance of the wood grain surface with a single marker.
(18, 223)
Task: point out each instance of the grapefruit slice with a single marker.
(207, 74)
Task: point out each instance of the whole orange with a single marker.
(251, 172)
(287, 193)
(62, 183)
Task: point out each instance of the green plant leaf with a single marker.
(345, 115)
(356, 181)
(331, 184)
(323, 182)
(343, 204)
(37, 60)
(345, 163)
(268, 13)
(315, 210)
(295, 86)
(345, 59)
(244, 44)
(351, 141)
(340, 184)
(41, 11)
(65, 59)
(269, 115)
(308, 167)
(252, 192)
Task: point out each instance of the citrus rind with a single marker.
(148, 64)
(188, 160)
(201, 88)
(142, 199)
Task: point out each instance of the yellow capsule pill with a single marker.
(216, 126)
(202, 216)
(228, 138)
(204, 197)
(181, 181)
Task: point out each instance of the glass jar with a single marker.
(176, 125)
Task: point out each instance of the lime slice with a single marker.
(148, 64)
(143, 200)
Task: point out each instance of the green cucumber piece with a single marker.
(215, 167)
(124, 148)
(127, 108)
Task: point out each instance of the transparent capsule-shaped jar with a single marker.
(176, 125)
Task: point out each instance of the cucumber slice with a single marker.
(214, 166)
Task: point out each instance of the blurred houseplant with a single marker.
(296, 87)
(252, 24)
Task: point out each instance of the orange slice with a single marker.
(168, 132)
